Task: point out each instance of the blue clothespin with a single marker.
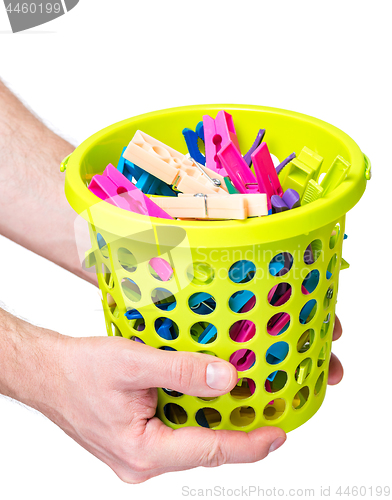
(208, 334)
(242, 270)
(147, 183)
(306, 310)
(345, 236)
(276, 354)
(166, 306)
(127, 168)
(191, 138)
(133, 314)
(164, 330)
(202, 303)
(239, 300)
(311, 281)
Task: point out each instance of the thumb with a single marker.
(191, 373)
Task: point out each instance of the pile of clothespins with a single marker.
(153, 179)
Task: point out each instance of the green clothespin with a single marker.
(336, 174)
(231, 189)
(301, 170)
(313, 192)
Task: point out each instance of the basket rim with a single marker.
(282, 226)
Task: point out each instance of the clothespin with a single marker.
(173, 167)
(281, 262)
(214, 206)
(241, 271)
(279, 294)
(312, 192)
(127, 168)
(162, 268)
(203, 206)
(133, 314)
(245, 387)
(147, 183)
(240, 300)
(281, 166)
(277, 353)
(202, 303)
(310, 283)
(230, 188)
(116, 189)
(162, 301)
(218, 132)
(208, 334)
(303, 370)
(299, 400)
(278, 324)
(243, 359)
(164, 329)
(242, 331)
(255, 145)
(307, 309)
(266, 175)
(288, 201)
(335, 175)
(238, 171)
(299, 171)
(191, 138)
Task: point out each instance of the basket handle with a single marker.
(63, 165)
(368, 168)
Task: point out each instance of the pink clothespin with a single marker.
(216, 133)
(238, 170)
(113, 187)
(266, 175)
(162, 268)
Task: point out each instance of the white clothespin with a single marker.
(213, 206)
(173, 167)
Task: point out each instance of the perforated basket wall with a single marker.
(297, 390)
(283, 367)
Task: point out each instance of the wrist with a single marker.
(31, 366)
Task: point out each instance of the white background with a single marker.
(108, 60)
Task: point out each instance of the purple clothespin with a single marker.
(254, 146)
(288, 201)
(281, 166)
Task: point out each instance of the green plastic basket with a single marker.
(202, 254)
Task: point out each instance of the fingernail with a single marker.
(218, 376)
(276, 444)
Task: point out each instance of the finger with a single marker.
(337, 329)
(196, 446)
(191, 373)
(335, 370)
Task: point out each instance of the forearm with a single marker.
(30, 366)
(33, 209)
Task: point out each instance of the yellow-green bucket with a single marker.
(283, 389)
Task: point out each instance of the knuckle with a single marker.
(215, 454)
(183, 371)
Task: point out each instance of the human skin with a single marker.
(101, 390)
